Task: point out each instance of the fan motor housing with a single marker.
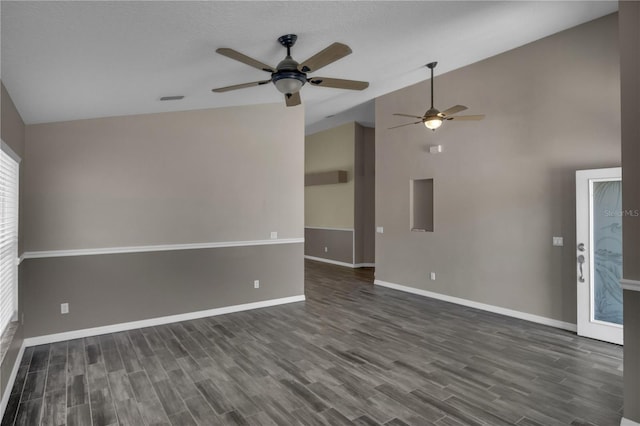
(431, 113)
(291, 79)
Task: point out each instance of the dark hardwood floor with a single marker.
(352, 354)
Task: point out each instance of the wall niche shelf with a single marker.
(325, 178)
(421, 205)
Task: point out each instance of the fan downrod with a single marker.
(431, 66)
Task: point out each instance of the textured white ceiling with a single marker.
(67, 60)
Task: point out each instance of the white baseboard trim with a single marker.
(96, 331)
(337, 262)
(627, 422)
(364, 265)
(482, 306)
(6, 393)
(628, 284)
(144, 249)
(333, 262)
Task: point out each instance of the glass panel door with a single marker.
(607, 251)
(599, 253)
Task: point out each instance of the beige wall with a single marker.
(330, 206)
(630, 88)
(169, 178)
(503, 186)
(12, 133)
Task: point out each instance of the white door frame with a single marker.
(587, 325)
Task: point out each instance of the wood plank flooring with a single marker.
(352, 354)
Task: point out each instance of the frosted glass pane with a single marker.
(607, 241)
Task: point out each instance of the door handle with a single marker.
(580, 263)
(581, 247)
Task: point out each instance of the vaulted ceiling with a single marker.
(67, 60)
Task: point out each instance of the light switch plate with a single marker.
(558, 241)
(380, 230)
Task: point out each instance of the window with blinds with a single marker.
(8, 236)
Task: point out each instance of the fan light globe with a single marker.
(433, 123)
(288, 85)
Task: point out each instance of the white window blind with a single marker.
(8, 237)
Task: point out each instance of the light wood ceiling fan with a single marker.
(289, 76)
(433, 118)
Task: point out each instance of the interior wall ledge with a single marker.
(627, 284)
(326, 228)
(165, 247)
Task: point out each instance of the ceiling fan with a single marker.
(289, 76)
(433, 118)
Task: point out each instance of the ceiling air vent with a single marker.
(171, 98)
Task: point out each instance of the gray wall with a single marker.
(339, 244)
(12, 133)
(364, 193)
(503, 186)
(12, 124)
(630, 87)
(161, 179)
(117, 288)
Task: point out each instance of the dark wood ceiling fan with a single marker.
(433, 118)
(289, 76)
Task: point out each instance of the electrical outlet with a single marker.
(274, 235)
(326, 249)
(64, 308)
(433, 276)
(256, 283)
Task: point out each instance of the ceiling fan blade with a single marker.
(240, 86)
(466, 117)
(234, 54)
(409, 115)
(339, 83)
(402, 125)
(452, 110)
(292, 99)
(325, 57)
